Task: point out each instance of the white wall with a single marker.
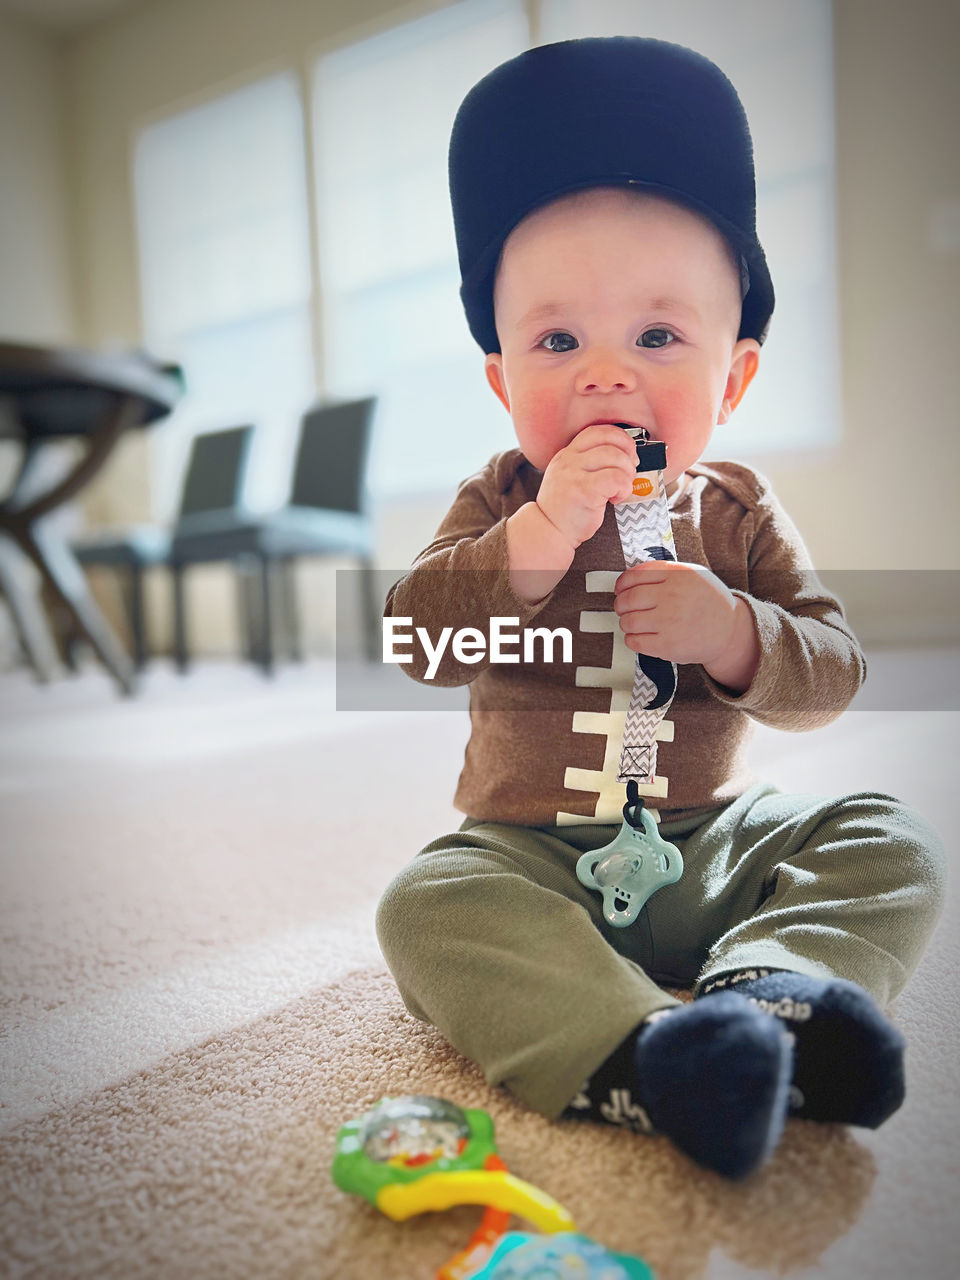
(36, 292)
(890, 486)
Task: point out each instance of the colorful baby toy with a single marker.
(410, 1155)
(565, 1256)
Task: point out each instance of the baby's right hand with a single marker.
(596, 467)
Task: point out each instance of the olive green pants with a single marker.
(492, 938)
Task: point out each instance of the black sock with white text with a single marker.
(713, 1077)
(848, 1057)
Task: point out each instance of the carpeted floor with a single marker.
(193, 1002)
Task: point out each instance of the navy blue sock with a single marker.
(848, 1057)
(713, 1077)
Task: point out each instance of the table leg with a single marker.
(53, 557)
(22, 520)
(27, 613)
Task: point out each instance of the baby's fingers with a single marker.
(609, 484)
(601, 434)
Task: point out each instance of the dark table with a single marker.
(52, 394)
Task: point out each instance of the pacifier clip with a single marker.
(638, 861)
(645, 534)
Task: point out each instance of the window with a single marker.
(779, 55)
(225, 274)
(393, 322)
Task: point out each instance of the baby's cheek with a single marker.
(540, 408)
(683, 404)
(539, 419)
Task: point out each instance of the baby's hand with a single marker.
(680, 612)
(596, 467)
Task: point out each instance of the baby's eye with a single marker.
(548, 341)
(657, 338)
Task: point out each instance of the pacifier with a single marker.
(629, 871)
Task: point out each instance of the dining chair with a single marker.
(327, 514)
(212, 492)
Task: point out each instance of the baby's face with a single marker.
(617, 307)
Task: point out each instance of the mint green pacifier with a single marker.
(628, 871)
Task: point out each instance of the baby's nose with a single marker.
(605, 370)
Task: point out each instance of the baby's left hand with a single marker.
(679, 612)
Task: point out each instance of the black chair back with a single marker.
(331, 463)
(216, 471)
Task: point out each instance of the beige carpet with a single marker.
(193, 1001)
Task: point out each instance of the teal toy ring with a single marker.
(567, 1256)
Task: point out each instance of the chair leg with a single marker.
(266, 634)
(138, 630)
(291, 610)
(371, 612)
(179, 620)
(247, 622)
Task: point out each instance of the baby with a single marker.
(603, 201)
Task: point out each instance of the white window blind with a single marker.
(225, 275)
(779, 56)
(393, 323)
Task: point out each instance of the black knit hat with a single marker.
(606, 110)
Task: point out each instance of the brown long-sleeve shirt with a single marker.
(546, 736)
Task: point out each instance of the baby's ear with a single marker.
(493, 368)
(743, 365)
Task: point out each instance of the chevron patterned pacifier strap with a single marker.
(645, 534)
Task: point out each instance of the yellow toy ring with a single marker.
(437, 1191)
